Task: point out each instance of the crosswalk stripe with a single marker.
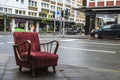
(88, 49)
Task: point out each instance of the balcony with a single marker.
(46, 0)
(33, 8)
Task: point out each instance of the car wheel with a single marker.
(96, 35)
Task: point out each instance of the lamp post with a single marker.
(5, 21)
(64, 4)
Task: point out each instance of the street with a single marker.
(80, 52)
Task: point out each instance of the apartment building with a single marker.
(99, 13)
(25, 15)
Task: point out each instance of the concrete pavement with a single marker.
(51, 35)
(9, 71)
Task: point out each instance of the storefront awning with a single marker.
(88, 9)
(21, 16)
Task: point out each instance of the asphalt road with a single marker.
(81, 52)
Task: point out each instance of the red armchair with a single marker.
(31, 54)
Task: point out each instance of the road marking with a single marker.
(1, 36)
(100, 43)
(1, 43)
(9, 42)
(8, 36)
(89, 50)
(69, 40)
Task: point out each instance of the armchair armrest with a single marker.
(20, 48)
(51, 46)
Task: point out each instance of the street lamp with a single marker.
(5, 21)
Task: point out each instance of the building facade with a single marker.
(27, 15)
(99, 13)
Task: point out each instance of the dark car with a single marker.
(112, 30)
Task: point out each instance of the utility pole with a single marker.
(55, 18)
(64, 17)
(5, 21)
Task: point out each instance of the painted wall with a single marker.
(14, 3)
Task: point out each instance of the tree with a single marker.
(46, 19)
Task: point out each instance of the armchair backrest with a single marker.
(20, 37)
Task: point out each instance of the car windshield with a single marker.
(106, 27)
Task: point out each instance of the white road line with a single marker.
(8, 36)
(100, 43)
(6, 43)
(9, 42)
(69, 40)
(1, 36)
(89, 50)
(1, 43)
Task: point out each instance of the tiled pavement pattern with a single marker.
(9, 71)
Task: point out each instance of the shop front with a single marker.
(97, 17)
(19, 23)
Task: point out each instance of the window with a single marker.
(52, 7)
(78, 6)
(32, 3)
(71, 19)
(1, 9)
(8, 10)
(78, 13)
(17, 0)
(53, 0)
(45, 5)
(72, 12)
(21, 12)
(22, 1)
(60, 1)
(68, 2)
(16, 11)
(32, 13)
(59, 8)
(92, 0)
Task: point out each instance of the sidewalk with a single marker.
(9, 71)
(51, 35)
(63, 36)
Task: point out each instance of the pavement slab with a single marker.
(9, 71)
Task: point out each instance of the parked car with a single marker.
(112, 30)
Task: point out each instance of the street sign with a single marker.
(58, 12)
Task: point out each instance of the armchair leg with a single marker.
(20, 68)
(33, 72)
(54, 69)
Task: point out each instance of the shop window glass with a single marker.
(16, 11)
(22, 1)
(1, 8)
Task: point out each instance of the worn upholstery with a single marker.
(37, 58)
(19, 37)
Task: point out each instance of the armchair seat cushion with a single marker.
(42, 59)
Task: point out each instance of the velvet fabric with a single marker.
(19, 37)
(38, 59)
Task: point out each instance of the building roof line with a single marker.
(84, 8)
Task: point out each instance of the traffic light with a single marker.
(62, 13)
(53, 14)
(66, 12)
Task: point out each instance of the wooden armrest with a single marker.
(18, 51)
(27, 41)
(47, 47)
